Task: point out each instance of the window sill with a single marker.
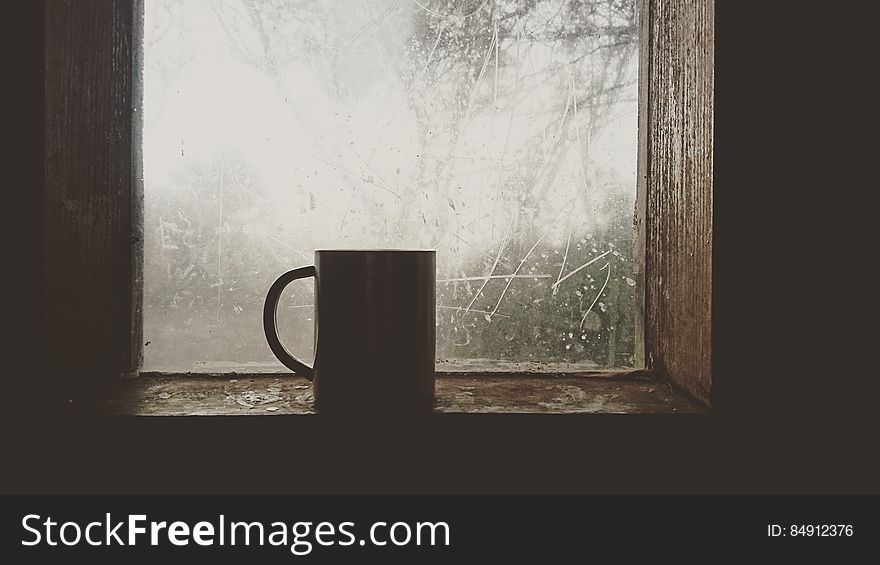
(229, 395)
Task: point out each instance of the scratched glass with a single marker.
(501, 133)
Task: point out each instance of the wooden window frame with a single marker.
(93, 188)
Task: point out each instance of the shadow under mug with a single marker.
(374, 329)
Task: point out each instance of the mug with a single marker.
(374, 329)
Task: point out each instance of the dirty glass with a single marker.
(502, 133)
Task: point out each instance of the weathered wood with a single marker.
(92, 262)
(94, 196)
(178, 395)
(678, 192)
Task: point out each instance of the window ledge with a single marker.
(192, 395)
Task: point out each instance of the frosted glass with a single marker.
(503, 134)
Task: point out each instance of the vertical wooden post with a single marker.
(678, 122)
(93, 190)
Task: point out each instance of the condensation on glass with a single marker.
(501, 133)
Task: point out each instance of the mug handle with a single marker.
(270, 324)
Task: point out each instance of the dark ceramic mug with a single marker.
(374, 329)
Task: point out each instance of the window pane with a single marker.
(501, 133)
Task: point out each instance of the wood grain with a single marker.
(179, 395)
(94, 192)
(678, 192)
(93, 233)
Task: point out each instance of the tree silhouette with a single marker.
(508, 103)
